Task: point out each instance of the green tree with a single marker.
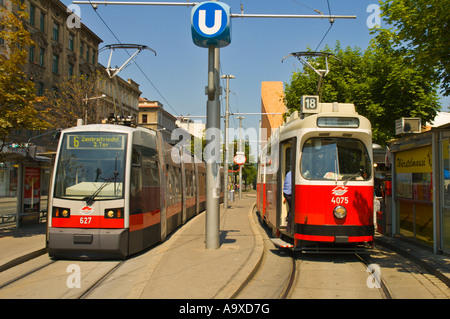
(380, 81)
(76, 98)
(17, 93)
(422, 34)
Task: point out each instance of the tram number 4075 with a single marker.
(339, 200)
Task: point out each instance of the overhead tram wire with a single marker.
(321, 13)
(304, 5)
(331, 25)
(145, 75)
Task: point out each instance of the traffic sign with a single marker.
(211, 24)
(240, 159)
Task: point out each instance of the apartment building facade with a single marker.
(62, 49)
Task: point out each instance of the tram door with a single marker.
(286, 164)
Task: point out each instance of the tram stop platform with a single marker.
(182, 268)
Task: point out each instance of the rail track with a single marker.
(55, 279)
(380, 274)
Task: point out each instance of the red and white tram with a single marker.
(328, 149)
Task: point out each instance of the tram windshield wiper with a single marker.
(359, 173)
(91, 199)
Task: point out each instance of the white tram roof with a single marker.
(332, 113)
(335, 116)
(107, 127)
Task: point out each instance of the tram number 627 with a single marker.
(85, 220)
(339, 200)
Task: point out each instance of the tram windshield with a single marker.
(91, 165)
(341, 159)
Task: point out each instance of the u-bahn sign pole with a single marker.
(211, 28)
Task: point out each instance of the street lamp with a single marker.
(227, 115)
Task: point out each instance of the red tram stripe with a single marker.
(144, 220)
(86, 221)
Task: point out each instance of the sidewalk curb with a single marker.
(22, 259)
(424, 264)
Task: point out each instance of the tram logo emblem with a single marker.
(339, 190)
(86, 210)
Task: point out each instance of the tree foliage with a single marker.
(76, 98)
(17, 93)
(380, 81)
(422, 34)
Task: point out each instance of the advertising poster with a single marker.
(32, 189)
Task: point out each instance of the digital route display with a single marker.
(95, 141)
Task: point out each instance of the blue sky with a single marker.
(177, 75)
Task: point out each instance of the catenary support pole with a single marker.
(225, 137)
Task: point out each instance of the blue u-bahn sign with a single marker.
(211, 24)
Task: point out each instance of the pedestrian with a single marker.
(287, 193)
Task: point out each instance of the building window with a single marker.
(55, 35)
(93, 57)
(87, 53)
(55, 63)
(144, 118)
(70, 41)
(40, 89)
(2, 41)
(414, 193)
(42, 21)
(70, 69)
(41, 56)
(32, 14)
(81, 48)
(31, 54)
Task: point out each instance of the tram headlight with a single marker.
(59, 212)
(340, 212)
(114, 213)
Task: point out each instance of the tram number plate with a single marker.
(85, 220)
(339, 200)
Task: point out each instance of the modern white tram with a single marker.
(117, 190)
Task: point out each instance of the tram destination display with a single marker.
(351, 122)
(95, 141)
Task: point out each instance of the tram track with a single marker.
(96, 284)
(375, 276)
(292, 276)
(51, 279)
(275, 273)
(27, 273)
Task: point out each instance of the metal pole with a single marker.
(225, 165)
(185, 4)
(212, 150)
(240, 150)
(293, 16)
